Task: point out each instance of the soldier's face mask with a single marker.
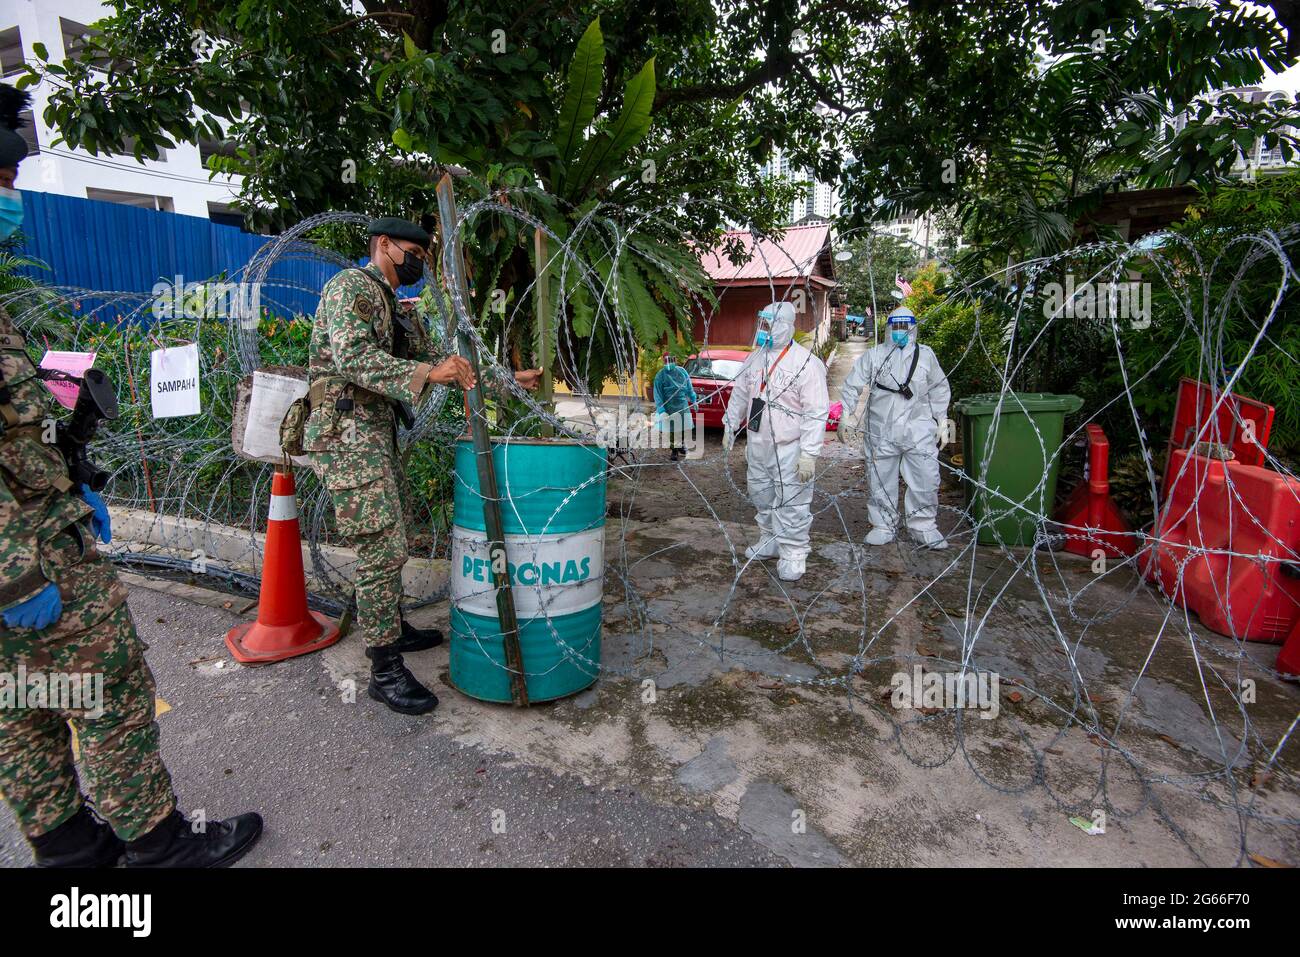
(410, 269)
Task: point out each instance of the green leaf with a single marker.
(381, 79)
(638, 307)
(412, 51)
(403, 140)
(586, 73)
(606, 152)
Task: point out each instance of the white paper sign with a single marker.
(271, 397)
(174, 381)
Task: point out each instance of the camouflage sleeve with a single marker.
(21, 574)
(350, 306)
(23, 463)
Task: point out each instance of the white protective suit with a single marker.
(792, 426)
(901, 434)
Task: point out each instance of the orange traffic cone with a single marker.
(285, 627)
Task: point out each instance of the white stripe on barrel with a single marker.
(550, 574)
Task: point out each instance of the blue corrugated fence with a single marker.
(113, 248)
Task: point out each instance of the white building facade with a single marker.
(179, 181)
(1260, 159)
(816, 201)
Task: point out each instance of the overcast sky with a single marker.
(1289, 81)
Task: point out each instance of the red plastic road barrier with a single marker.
(1288, 659)
(285, 627)
(1090, 516)
(1214, 508)
(1192, 412)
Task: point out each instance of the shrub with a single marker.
(966, 343)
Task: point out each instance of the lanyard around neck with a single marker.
(774, 365)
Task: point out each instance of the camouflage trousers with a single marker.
(366, 489)
(94, 638)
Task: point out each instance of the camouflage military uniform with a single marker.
(354, 451)
(44, 537)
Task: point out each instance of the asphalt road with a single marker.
(346, 784)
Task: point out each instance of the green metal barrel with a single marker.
(553, 510)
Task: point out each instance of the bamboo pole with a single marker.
(542, 300)
(487, 478)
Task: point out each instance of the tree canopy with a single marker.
(909, 102)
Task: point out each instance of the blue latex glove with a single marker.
(99, 521)
(39, 612)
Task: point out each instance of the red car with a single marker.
(711, 373)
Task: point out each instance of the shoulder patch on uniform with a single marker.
(362, 306)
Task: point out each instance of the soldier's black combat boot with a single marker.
(81, 841)
(175, 843)
(394, 685)
(417, 639)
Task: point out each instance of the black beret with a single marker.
(395, 228)
(12, 146)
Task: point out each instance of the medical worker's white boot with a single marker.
(765, 548)
(880, 536)
(790, 569)
(932, 539)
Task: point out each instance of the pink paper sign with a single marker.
(73, 363)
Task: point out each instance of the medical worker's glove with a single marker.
(804, 471)
(728, 438)
(99, 519)
(39, 612)
(941, 433)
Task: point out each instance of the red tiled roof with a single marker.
(794, 257)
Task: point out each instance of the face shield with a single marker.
(902, 326)
(775, 326)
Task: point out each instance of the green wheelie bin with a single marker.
(1010, 447)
